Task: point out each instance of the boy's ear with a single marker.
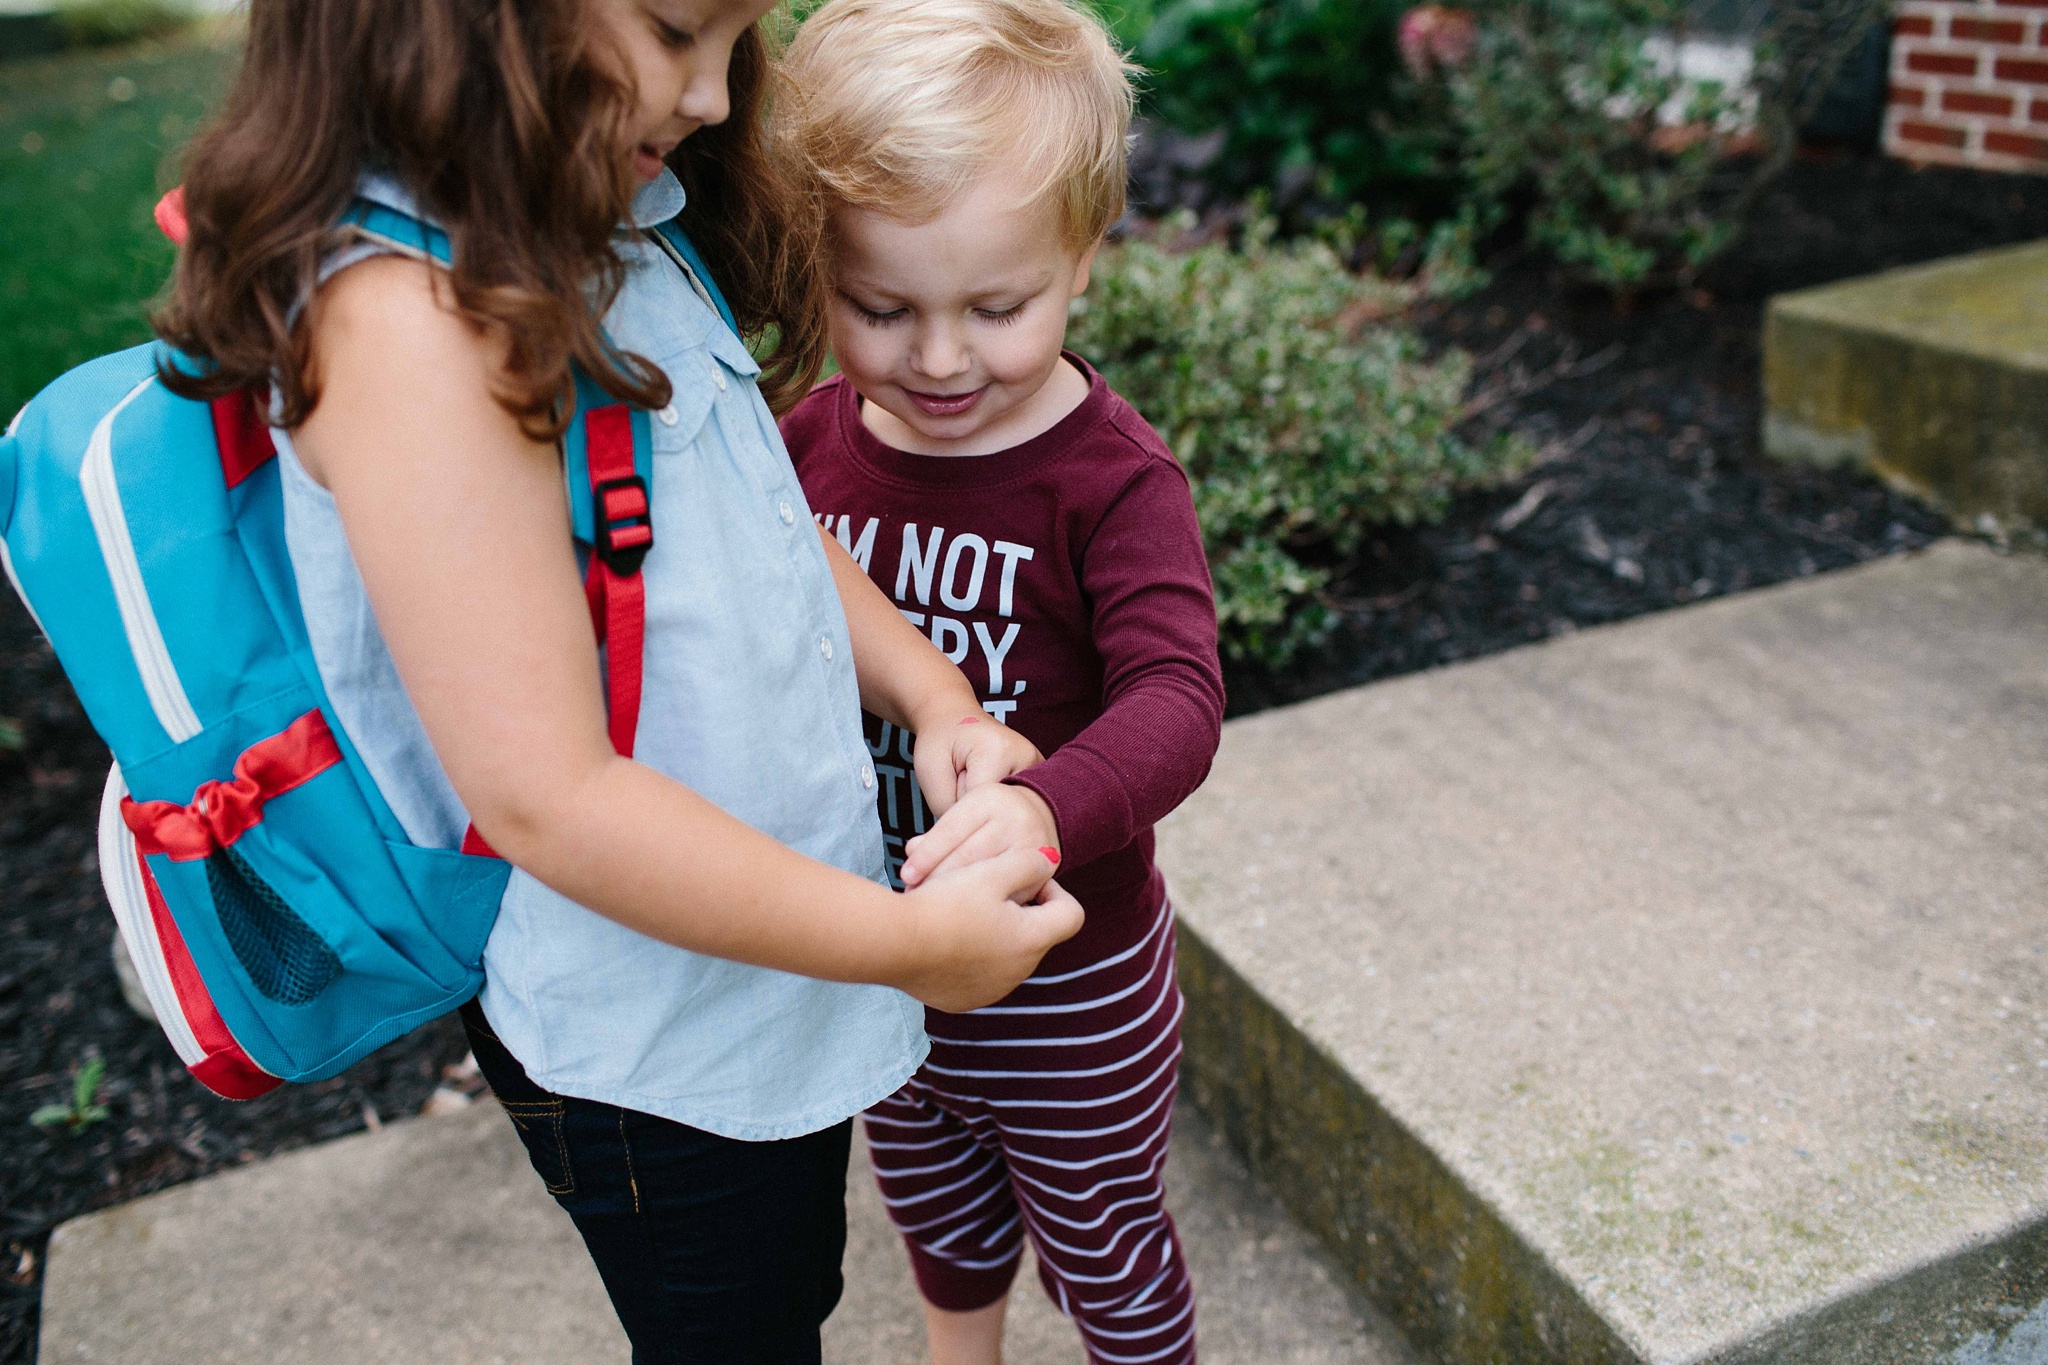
(1081, 270)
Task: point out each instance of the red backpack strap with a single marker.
(622, 534)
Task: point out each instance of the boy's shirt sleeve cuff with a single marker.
(1089, 806)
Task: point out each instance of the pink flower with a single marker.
(1435, 38)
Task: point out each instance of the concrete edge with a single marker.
(1463, 1285)
(1841, 393)
(1431, 1254)
(1983, 1286)
(1817, 302)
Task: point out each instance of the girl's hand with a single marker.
(985, 823)
(981, 930)
(958, 753)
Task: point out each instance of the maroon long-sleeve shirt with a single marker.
(1065, 576)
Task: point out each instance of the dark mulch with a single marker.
(1653, 494)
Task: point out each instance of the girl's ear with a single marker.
(1082, 268)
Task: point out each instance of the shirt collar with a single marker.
(659, 200)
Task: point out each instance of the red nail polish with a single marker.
(1052, 855)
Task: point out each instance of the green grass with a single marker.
(87, 143)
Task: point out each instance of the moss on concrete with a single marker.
(1935, 377)
(1461, 1284)
(1424, 1248)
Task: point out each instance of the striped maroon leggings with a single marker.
(1048, 1115)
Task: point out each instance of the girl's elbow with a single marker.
(529, 821)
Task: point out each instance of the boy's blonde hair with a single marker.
(901, 105)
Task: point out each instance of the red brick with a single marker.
(1976, 102)
(2024, 4)
(1932, 133)
(1987, 30)
(1912, 96)
(2019, 69)
(2017, 144)
(2039, 113)
(1914, 26)
(1959, 64)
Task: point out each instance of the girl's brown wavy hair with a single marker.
(502, 118)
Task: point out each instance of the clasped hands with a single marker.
(980, 815)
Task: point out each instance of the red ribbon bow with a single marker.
(222, 812)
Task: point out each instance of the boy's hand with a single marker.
(984, 823)
(981, 930)
(956, 755)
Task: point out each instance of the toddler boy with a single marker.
(971, 156)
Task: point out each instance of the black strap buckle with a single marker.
(623, 523)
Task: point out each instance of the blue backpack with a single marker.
(281, 922)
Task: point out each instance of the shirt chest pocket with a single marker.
(696, 381)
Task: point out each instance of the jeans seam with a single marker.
(626, 1145)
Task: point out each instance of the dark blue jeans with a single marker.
(712, 1250)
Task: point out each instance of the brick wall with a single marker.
(1969, 84)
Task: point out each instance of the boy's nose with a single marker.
(940, 353)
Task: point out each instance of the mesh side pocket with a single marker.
(284, 957)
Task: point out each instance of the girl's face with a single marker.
(674, 54)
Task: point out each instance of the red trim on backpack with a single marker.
(242, 435)
(226, 1070)
(221, 812)
(170, 215)
(618, 601)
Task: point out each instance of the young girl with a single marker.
(698, 973)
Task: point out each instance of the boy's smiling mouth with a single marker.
(945, 404)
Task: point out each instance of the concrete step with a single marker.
(1674, 992)
(432, 1243)
(1935, 376)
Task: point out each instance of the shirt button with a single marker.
(669, 416)
(825, 646)
(717, 373)
(788, 513)
(867, 776)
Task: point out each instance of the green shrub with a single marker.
(1633, 172)
(110, 23)
(1309, 92)
(1302, 414)
(1575, 106)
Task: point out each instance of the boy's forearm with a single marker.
(903, 678)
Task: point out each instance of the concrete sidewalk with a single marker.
(1673, 992)
(432, 1243)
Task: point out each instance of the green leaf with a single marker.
(86, 1084)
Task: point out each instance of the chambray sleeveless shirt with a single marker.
(749, 699)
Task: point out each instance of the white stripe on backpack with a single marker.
(121, 874)
(138, 618)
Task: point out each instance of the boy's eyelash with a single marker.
(1008, 317)
(870, 316)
